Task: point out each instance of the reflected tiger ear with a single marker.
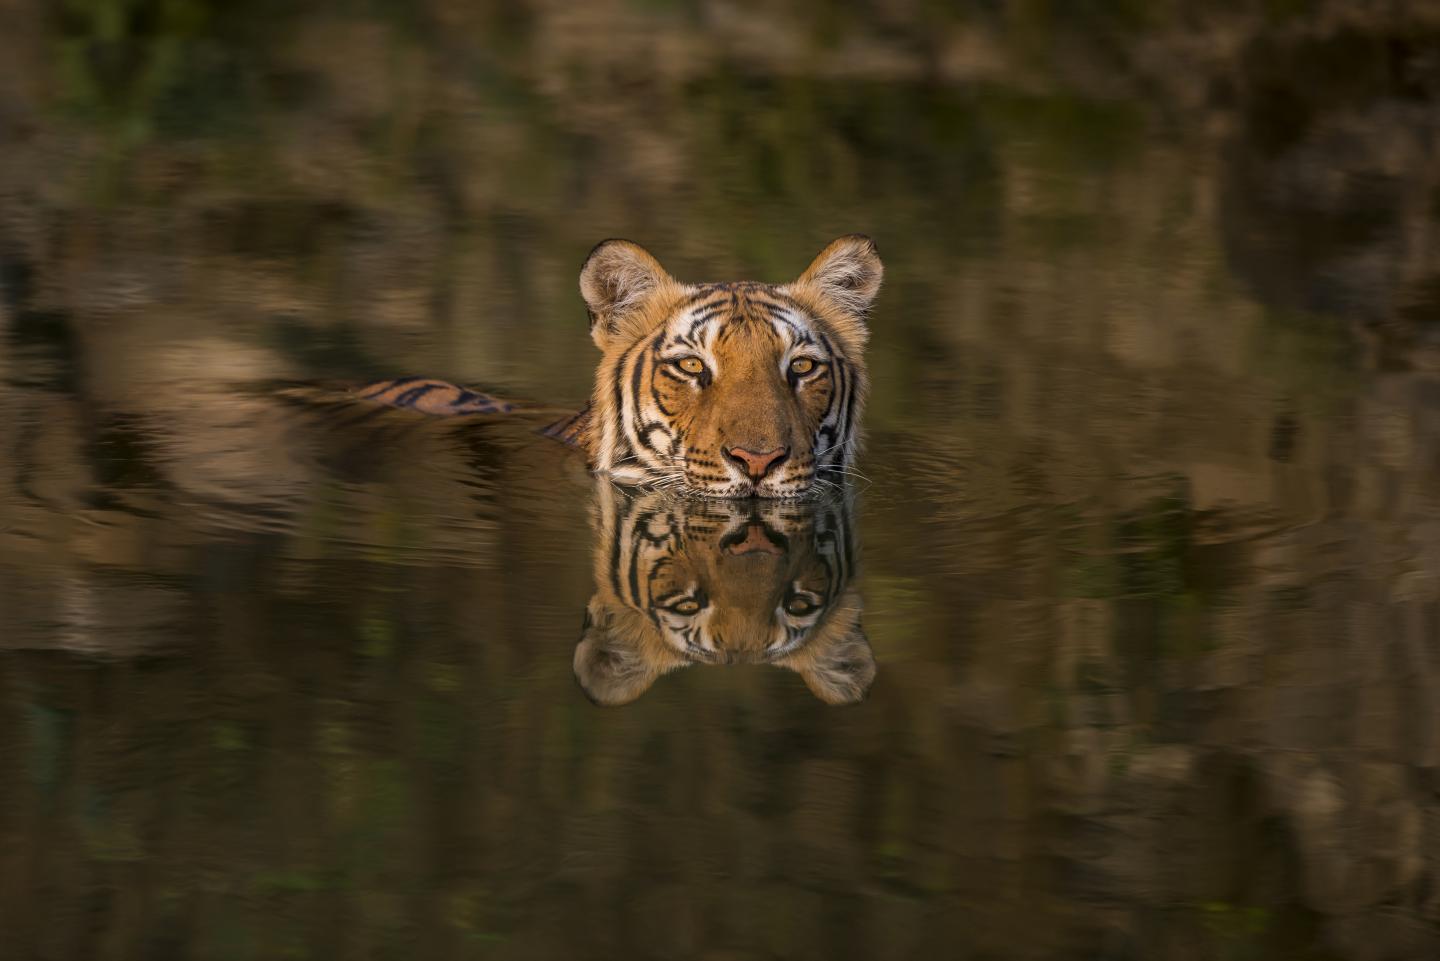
(847, 273)
(610, 665)
(616, 280)
(838, 668)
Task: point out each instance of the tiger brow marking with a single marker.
(780, 313)
(728, 331)
(702, 317)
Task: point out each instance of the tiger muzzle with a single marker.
(757, 464)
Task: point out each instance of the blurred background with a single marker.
(1150, 541)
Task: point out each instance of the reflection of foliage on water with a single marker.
(142, 69)
(1125, 520)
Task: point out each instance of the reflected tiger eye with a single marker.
(691, 365)
(799, 606)
(802, 365)
(687, 607)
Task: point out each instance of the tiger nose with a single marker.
(756, 466)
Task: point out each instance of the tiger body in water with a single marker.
(719, 389)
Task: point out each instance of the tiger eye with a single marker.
(799, 607)
(801, 365)
(687, 607)
(691, 365)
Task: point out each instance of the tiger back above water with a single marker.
(720, 389)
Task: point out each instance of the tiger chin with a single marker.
(721, 389)
(680, 582)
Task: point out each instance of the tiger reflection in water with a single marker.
(720, 582)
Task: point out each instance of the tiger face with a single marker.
(732, 389)
(719, 582)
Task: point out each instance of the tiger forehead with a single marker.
(723, 309)
(738, 302)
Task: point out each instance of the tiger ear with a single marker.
(838, 669)
(615, 280)
(847, 273)
(610, 664)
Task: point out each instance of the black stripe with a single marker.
(410, 396)
(636, 379)
(615, 527)
(653, 601)
(635, 580)
(654, 389)
(641, 523)
(702, 318)
(376, 390)
(701, 292)
(824, 438)
(780, 313)
(622, 447)
(843, 384)
(649, 428)
(834, 388)
(628, 426)
(637, 376)
(469, 396)
(618, 373)
(849, 406)
(564, 425)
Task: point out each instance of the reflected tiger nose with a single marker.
(757, 465)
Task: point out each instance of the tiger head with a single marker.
(682, 582)
(731, 389)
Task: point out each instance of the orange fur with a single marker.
(650, 421)
(728, 390)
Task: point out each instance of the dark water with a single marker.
(1141, 587)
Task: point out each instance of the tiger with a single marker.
(682, 581)
(729, 390)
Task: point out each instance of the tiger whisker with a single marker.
(849, 472)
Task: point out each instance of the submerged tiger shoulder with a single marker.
(721, 389)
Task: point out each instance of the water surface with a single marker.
(1125, 645)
